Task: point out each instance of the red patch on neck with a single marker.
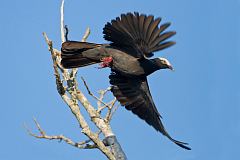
(106, 62)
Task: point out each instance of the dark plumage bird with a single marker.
(133, 39)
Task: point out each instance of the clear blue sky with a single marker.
(199, 102)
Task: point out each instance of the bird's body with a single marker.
(134, 37)
(122, 61)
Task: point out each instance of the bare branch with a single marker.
(109, 107)
(71, 95)
(62, 22)
(94, 115)
(72, 103)
(111, 110)
(43, 135)
(87, 33)
(102, 94)
(39, 127)
(60, 88)
(91, 94)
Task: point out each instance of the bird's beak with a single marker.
(171, 67)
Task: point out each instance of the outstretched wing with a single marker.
(134, 94)
(141, 32)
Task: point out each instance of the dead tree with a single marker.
(67, 87)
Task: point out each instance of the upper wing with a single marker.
(140, 32)
(134, 94)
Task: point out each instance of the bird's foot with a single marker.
(105, 62)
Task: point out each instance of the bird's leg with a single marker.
(105, 62)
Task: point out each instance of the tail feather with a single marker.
(71, 54)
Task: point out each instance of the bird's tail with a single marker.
(72, 54)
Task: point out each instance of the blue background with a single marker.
(199, 102)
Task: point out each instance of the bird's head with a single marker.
(163, 63)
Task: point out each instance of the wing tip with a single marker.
(182, 144)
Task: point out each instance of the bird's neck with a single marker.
(149, 66)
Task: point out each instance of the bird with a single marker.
(133, 38)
